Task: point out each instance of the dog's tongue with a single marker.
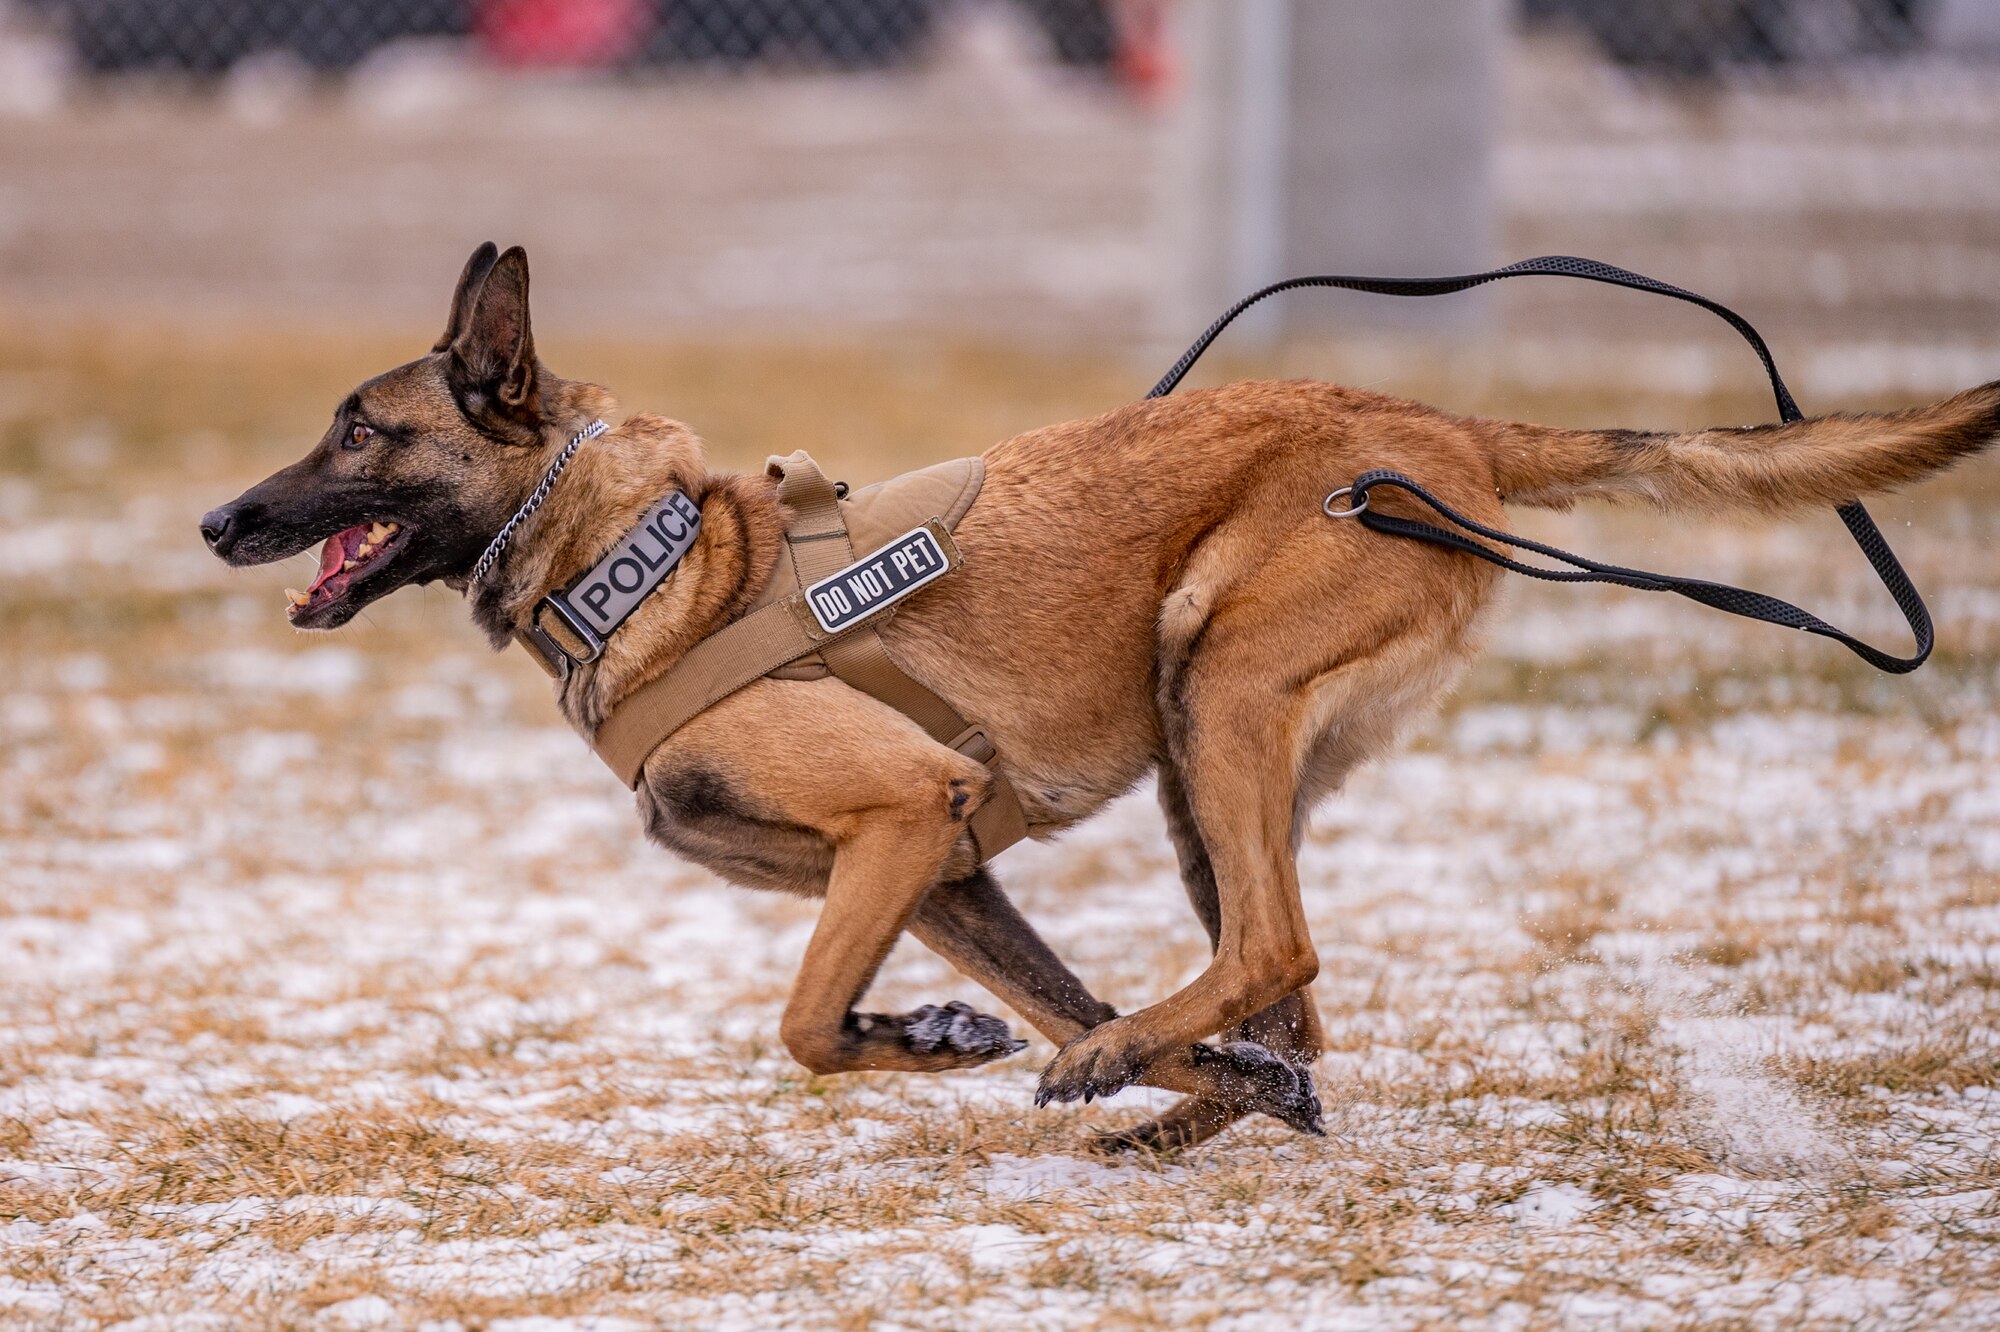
(339, 548)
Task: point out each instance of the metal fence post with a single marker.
(1333, 136)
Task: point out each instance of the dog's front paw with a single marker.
(1268, 1084)
(958, 1028)
(1101, 1062)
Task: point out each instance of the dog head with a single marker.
(422, 464)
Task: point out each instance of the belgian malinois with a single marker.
(1156, 590)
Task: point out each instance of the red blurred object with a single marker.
(560, 33)
(1145, 60)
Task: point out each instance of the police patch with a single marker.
(879, 580)
(615, 586)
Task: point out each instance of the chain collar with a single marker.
(534, 501)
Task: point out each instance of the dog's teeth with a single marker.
(378, 533)
(345, 565)
(298, 598)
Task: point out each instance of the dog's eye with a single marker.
(359, 434)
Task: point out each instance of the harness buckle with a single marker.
(590, 642)
(548, 652)
(972, 743)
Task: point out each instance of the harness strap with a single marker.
(820, 547)
(783, 631)
(1721, 596)
(713, 669)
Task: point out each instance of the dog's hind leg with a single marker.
(1289, 1028)
(1242, 790)
(1261, 667)
(973, 925)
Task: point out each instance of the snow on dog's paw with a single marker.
(1271, 1085)
(959, 1028)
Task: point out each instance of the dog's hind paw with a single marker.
(1100, 1062)
(960, 1029)
(1268, 1084)
(1194, 1120)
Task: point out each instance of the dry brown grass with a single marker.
(339, 986)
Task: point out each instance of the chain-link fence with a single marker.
(208, 37)
(1703, 37)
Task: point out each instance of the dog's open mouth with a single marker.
(347, 557)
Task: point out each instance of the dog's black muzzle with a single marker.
(219, 528)
(282, 515)
(244, 532)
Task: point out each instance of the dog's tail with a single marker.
(1826, 461)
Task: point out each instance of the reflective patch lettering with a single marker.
(615, 586)
(877, 581)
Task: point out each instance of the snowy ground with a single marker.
(338, 990)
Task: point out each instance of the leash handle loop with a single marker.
(1721, 596)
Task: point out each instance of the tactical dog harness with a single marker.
(846, 560)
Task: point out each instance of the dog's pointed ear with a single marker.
(469, 282)
(491, 361)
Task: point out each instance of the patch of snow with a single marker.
(998, 1249)
(1024, 1177)
(313, 670)
(1546, 1204)
(1750, 1121)
(362, 1312)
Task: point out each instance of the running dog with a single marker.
(1153, 591)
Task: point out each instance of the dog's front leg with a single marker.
(972, 925)
(884, 865)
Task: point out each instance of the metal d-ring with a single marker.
(1327, 508)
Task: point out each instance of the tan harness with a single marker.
(826, 530)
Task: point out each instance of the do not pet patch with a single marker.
(880, 579)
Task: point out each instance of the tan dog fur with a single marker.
(1151, 592)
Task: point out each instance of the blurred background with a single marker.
(1086, 175)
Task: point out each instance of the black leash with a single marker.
(1735, 600)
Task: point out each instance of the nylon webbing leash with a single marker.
(1721, 596)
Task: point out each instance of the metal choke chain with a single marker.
(534, 501)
